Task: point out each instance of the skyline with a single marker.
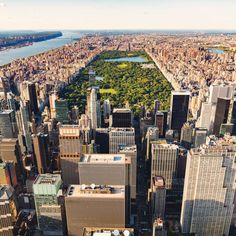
(126, 15)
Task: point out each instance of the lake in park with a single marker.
(128, 59)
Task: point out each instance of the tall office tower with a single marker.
(165, 163)
(8, 174)
(151, 136)
(41, 151)
(221, 114)
(99, 206)
(206, 119)
(121, 118)
(186, 138)
(8, 127)
(157, 197)
(157, 105)
(33, 98)
(52, 103)
(10, 152)
(94, 231)
(24, 132)
(62, 111)
(49, 204)
(160, 123)
(179, 109)
(93, 107)
(105, 169)
(106, 109)
(8, 210)
(120, 137)
(28, 93)
(200, 135)
(102, 139)
(70, 140)
(131, 151)
(209, 190)
(85, 126)
(220, 91)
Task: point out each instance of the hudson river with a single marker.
(8, 56)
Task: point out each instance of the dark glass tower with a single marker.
(179, 109)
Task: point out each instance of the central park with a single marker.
(124, 78)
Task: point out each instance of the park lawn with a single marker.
(111, 91)
(122, 66)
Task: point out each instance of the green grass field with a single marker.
(111, 91)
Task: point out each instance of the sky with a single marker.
(117, 14)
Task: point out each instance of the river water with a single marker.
(8, 56)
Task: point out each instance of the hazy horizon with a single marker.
(198, 15)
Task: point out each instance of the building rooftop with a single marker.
(112, 129)
(6, 192)
(47, 184)
(124, 148)
(69, 130)
(108, 232)
(96, 191)
(121, 110)
(165, 145)
(105, 158)
(181, 92)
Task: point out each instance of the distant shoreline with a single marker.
(19, 41)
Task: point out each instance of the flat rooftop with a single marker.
(165, 146)
(124, 148)
(96, 191)
(90, 231)
(104, 158)
(48, 179)
(121, 110)
(121, 129)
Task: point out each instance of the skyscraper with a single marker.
(209, 189)
(186, 138)
(120, 137)
(221, 114)
(49, 206)
(62, 111)
(70, 140)
(8, 174)
(8, 127)
(93, 107)
(200, 135)
(106, 109)
(99, 206)
(122, 118)
(41, 151)
(179, 109)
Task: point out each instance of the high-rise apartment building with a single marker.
(70, 140)
(200, 135)
(219, 91)
(209, 190)
(165, 162)
(120, 137)
(106, 109)
(186, 138)
(8, 127)
(49, 204)
(97, 206)
(179, 109)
